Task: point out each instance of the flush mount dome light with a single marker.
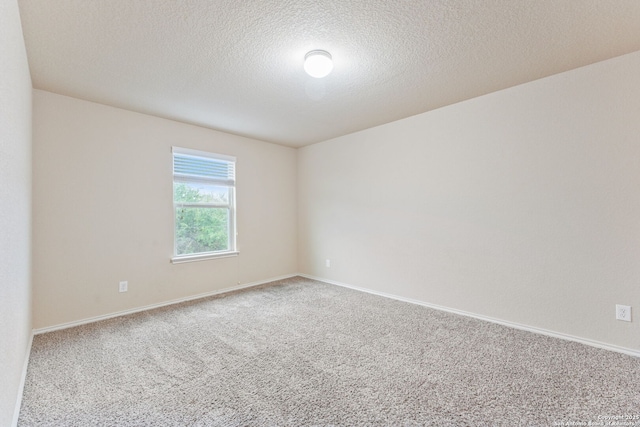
(318, 63)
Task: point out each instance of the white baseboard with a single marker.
(152, 306)
(535, 330)
(23, 378)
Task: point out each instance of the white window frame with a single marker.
(230, 183)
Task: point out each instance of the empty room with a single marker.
(319, 213)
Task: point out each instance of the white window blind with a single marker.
(216, 170)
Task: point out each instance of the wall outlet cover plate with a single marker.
(623, 312)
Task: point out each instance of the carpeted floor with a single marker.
(300, 352)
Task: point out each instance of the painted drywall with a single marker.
(521, 205)
(15, 207)
(103, 212)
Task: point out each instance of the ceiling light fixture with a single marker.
(318, 63)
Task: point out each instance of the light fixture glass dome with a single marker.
(318, 63)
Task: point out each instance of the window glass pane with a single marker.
(201, 230)
(195, 192)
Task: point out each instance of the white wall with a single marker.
(15, 207)
(103, 210)
(522, 205)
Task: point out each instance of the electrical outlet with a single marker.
(327, 263)
(623, 312)
(124, 286)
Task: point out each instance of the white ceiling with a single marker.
(236, 66)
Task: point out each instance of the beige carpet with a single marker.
(301, 353)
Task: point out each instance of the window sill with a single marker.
(202, 257)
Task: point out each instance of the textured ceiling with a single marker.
(236, 65)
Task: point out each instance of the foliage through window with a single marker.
(204, 203)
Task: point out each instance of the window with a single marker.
(203, 205)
